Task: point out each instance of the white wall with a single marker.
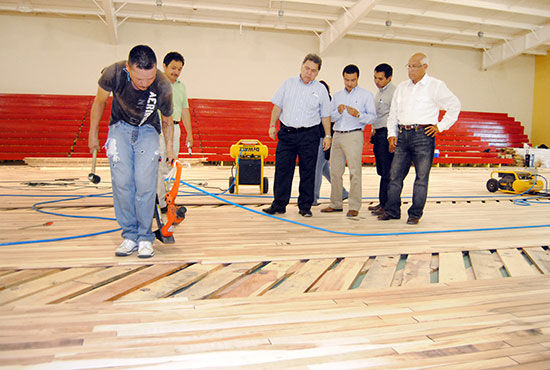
(65, 56)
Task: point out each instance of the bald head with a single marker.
(418, 64)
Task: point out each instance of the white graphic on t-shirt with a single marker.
(150, 107)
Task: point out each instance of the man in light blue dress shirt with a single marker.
(352, 109)
(300, 104)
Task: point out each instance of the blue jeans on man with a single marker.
(416, 147)
(134, 154)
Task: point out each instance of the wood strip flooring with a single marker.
(466, 288)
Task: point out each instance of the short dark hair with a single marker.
(173, 55)
(143, 57)
(351, 69)
(386, 68)
(314, 58)
(326, 87)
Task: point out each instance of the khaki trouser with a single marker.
(346, 146)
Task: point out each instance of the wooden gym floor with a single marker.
(466, 288)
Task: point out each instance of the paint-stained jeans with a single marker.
(416, 147)
(134, 154)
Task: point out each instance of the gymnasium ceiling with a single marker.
(501, 29)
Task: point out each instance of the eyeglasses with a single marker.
(408, 66)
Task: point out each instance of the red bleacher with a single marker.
(474, 139)
(58, 125)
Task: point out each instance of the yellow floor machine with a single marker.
(514, 182)
(249, 155)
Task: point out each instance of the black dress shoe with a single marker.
(305, 212)
(386, 217)
(273, 211)
(374, 208)
(413, 220)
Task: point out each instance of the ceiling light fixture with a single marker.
(158, 14)
(388, 32)
(24, 6)
(281, 25)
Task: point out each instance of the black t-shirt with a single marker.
(136, 107)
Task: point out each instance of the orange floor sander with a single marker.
(175, 214)
(249, 157)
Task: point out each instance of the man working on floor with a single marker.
(139, 89)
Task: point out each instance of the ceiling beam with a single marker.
(349, 18)
(493, 6)
(454, 17)
(515, 47)
(110, 20)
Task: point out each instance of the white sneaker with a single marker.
(145, 249)
(126, 248)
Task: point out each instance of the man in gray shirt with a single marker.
(382, 78)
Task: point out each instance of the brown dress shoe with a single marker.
(374, 208)
(352, 213)
(330, 209)
(413, 220)
(378, 212)
(385, 217)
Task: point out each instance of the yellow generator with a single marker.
(249, 155)
(515, 182)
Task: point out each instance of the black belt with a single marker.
(176, 122)
(295, 130)
(345, 132)
(412, 127)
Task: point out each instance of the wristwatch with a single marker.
(328, 137)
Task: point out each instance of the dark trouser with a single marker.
(383, 162)
(301, 143)
(412, 146)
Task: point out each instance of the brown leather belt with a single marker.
(412, 127)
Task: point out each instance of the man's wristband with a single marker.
(328, 137)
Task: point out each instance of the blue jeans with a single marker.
(323, 169)
(134, 155)
(416, 147)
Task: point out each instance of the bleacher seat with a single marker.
(57, 126)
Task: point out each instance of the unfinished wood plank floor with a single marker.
(467, 287)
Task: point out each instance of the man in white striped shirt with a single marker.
(413, 123)
(300, 103)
